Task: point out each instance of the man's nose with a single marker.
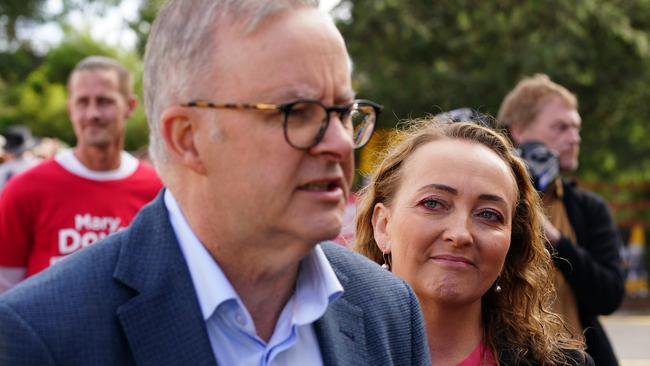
(92, 111)
(337, 140)
(574, 136)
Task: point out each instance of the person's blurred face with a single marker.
(97, 109)
(557, 125)
(269, 188)
(448, 227)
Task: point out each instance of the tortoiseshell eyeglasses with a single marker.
(306, 121)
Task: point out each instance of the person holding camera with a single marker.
(542, 119)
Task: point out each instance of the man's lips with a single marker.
(322, 185)
(96, 125)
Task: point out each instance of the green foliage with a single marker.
(25, 14)
(16, 65)
(147, 13)
(11, 11)
(61, 60)
(40, 104)
(420, 57)
(417, 57)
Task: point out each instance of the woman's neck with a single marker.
(453, 331)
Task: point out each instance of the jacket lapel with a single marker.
(162, 322)
(341, 332)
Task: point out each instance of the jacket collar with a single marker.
(162, 321)
(341, 331)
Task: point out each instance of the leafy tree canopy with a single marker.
(417, 57)
(421, 57)
(12, 11)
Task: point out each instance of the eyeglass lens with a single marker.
(363, 119)
(306, 123)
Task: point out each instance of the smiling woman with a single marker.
(469, 218)
(452, 211)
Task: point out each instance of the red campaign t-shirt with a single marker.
(49, 212)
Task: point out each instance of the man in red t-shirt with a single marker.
(85, 193)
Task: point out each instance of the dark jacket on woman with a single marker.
(593, 268)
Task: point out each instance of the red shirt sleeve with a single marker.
(16, 236)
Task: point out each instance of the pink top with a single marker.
(481, 356)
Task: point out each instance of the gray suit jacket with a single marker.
(129, 299)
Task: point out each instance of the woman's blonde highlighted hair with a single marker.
(518, 320)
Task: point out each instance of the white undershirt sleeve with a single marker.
(10, 276)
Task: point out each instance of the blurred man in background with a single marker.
(540, 114)
(85, 193)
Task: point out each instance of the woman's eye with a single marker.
(431, 204)
(490, 215)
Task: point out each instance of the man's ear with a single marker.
(179, 131)
(68, 107)
(131, 105)
(380, 225)
(517, 133)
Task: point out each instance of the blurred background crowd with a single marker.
(416, 57)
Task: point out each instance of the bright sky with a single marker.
(111, 28)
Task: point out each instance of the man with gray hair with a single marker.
(84, 193)
(253, 125)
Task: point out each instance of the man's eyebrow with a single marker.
(285, 95)
(294, 94)
(346, 97)
(567, 122)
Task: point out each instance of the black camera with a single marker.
(543, 163)
(465, 115)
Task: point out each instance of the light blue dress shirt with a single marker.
(230, 327)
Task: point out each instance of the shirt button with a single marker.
(239, 318)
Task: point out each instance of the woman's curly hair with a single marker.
(518, 320)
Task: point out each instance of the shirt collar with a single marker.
(210, 283)
(128, 165)
(316, 287)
